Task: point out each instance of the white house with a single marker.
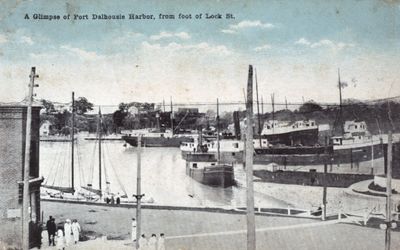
(45, 128)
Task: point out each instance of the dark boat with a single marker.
(204, 168)
(291, 133)
(158, 139)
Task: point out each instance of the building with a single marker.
(12, 152)
(46, 128)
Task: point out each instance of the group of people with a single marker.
(62, 236)
(152, 243)
(111, 199)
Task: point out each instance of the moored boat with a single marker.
(204, 168)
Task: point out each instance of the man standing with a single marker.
(76, 229)
(68, 232)
(133, 229)
(161, 242)
(51, 230)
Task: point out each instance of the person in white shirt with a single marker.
(76, 229)
(133, 235)
(161, 242)
(143, 242)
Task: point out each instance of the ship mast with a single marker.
(340, 105)
(72, 142)
(218, 145)
(172, 118)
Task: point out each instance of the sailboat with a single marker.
(100, 191)
(59, 189)
(205, 168)
(88, 192)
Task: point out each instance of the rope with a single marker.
(115, 172)
(90, 179)
(53, 164)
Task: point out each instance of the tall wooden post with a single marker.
(26, 195)
(324, 194)
(100, 130)
(388, 192)
(218, 138)
(251, 227)
(138, 191)
(72, 141)
(258, 110)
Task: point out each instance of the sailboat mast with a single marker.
(258, 109)
(218, 145)
(72, 142)
(273, 111)
(99, 134)
(340, 104)
(172, 117)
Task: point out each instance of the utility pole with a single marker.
(218, 143)
(26, 195)
(324, 194)
(251, 227)
(258, 110)
(139, 194)
(72, 141)
(388, 192)
(99, 131)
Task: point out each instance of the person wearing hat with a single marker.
(161, 242)
(143, 242)
(152, 243)
(51, 230)
(68, 232)
(133, 230)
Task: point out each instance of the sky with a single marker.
(296, 47)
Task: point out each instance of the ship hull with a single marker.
(225, 157)
(306, 137)
(157, 141)
(340, 155)
(216, 176)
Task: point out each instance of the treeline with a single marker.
(380, 117)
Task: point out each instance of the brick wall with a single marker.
(12, 148)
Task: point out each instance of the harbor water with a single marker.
(164, 181)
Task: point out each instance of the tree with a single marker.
(48, 106)
(310, 107)
(82, 105)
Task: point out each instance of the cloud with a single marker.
(83, 54)
(27, 40)
(324, 43)
(199, 47)
(127, 37)
(262, 48)
(234, 28)
(164, 34)
(3, 39)
(303, 41)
